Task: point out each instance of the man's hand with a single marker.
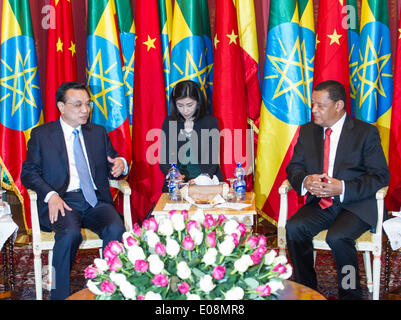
(322, 186)
(118, 166)
(56, 205)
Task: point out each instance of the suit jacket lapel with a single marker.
(343, 143)
(88, 145)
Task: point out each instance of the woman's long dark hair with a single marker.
(185, 89)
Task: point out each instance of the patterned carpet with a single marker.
(25, 285)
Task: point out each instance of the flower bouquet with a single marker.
(178, 257)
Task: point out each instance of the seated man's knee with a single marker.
(295, 230)
(334, 238)
(72, 236)
(114, 231)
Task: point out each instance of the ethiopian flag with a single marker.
(20, 99)
(353, 49)
(286, 94)
(375, 76)
(165, 20)
(126, 27)
(191, 45)
(104, 74)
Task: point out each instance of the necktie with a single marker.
(328, 201)
(83, 171)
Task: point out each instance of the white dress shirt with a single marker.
(69, 142)
(334, 139)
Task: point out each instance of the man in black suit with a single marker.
(68, 164)
(340, 191)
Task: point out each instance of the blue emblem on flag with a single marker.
(105, 83)
(288, 73)
(375, 90)
(192, 59)
(20, 98)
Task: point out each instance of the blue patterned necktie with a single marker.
(83, 171)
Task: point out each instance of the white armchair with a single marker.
(45, 240)
(367, 242)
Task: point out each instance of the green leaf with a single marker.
(251, 283)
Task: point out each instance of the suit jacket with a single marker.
(46, 166)
(359, 161)
(209, 147)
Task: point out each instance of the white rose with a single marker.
(276, 285)
(288, 272)
(227, 246)
(269, 257)
(152, 238)
(191, 296)
(156, 266)
(235, 293)
(206, 283)
(230, 227)
(172, 247)
(165, 227)
(280, 260)
(196, 235)
(118, 278)
(198, 216)
(135, 253)
(150, 295)
(210, 256)
(101, 264)
(183, 270)
(243, 263)
(92, 286)
(128, 290)
(178, 221)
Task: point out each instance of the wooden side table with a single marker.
(8, 269)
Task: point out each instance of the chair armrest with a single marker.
(121, 185)
(285, 187)
(124, 187)
(33, 197)
(381, 194)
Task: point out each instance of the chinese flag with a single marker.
(61, 56)
(331, 55)
(229, 98)
(146, 179)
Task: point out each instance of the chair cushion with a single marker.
(365, 237)
(86, 235)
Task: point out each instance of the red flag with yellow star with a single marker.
(146, 179)
(331, 55)
(229, 97)
(61, 56)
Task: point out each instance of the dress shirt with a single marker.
(69, 142)
(334, 139)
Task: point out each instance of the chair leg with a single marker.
(37, 263)
(376, 276)
(49, 282)
(368, 270)
(314, 257)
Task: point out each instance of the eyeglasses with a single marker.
(79, 104)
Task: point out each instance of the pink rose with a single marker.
(220, 219)
(172, 212)
(209, 221)
(211, 239)
(235, 239)
(242, 229)
(150, 224)
(141, 266)
(263, 291)
(253, 241)
(140, 298)
(131, 241)
(184, 288)
(219, 272)
(115, 247)
(107, 286)
(137, 229)
(262, 240)
(256, 257)
(188, 243)
(160, 280)
(185, 214)
(91, 272)
(191, 224)
(115, 264)
(160, 249)
(280, 269)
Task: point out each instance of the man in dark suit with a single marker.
(339, 163)
(68, 164)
